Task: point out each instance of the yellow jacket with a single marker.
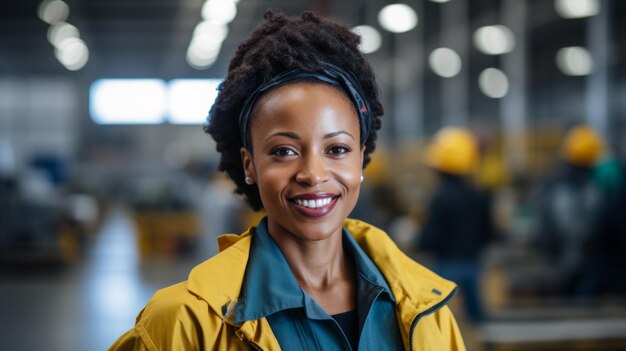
(197, 314)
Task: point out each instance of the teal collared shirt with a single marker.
(270, 290)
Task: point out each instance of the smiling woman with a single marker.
(295, 122)
(306, 160)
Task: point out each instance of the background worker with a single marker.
(458, 224)
(574, 216)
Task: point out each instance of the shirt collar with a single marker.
(366, 269)
(268, 281)
(272, 286)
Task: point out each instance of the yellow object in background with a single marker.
(166, 234)
(492, 173)
(376, 170)
(453, 150)
(582, 146)
(252, 218)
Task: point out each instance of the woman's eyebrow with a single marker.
(291, 135)
(334, 134)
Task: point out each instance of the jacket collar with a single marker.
(269, 277)
(226, 272)
(408, 279)
(415, 288)
(275, 287)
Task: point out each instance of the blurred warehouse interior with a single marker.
(109, 189)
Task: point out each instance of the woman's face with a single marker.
(306, 160)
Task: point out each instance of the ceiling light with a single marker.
(370, 38)
(494, 40)
(445, 62)
(53, 11)
(219, 11)
(212, 29)
(577, 8)
(493, 83)
(205, 47)
(61, 31)
(397, 18)
(202, 57)
(72, 53)
(574, 61)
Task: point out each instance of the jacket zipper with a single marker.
(249, 342)
(254, 346)
(427, 312)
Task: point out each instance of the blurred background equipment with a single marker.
(108, 186)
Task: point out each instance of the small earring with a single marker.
(362, 179)
(248, 181)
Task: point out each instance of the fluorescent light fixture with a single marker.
(127, 101)
(219, 11)
(493, 83)
(440, 1)
(494, 40)
(445, 62)
(53, 11)
(397, 18)
(191, 99)
(370, 38)
(574, 61)
(577, 8)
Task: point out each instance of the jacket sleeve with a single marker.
(136, 339)
(450, 329)
(168, 322)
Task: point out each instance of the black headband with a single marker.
(332, 75)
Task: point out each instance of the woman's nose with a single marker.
(313, 170)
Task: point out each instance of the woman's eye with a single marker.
(283, 151)
(339, 150)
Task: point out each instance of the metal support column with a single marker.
(597, 84)
(454, 91)
(513, 105)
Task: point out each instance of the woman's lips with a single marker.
(314, 205)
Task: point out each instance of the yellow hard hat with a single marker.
(453, 150)
(582, 146)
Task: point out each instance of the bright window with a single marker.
(128, 101)
(189, 100)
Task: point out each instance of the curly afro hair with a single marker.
(279, 44)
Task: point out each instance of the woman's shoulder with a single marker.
(175, 307)
(173, 316)
(173, 300)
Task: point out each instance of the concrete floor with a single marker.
(89, 305)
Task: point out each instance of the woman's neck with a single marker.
(320, 267)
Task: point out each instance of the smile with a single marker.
(314, 205)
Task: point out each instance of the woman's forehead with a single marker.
(301, 92)
(305, 105)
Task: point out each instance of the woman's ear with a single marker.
(248, 164)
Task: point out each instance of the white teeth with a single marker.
(314, 203)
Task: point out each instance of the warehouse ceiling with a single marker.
(127, 37)
(149, 38)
